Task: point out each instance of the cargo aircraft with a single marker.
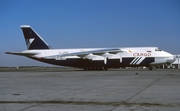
(92, 58)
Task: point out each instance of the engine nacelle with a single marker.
(97, 58)
(103, 58)
(116, 57)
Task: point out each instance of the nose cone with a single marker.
(171, 59)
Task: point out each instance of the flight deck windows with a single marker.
(157, 49)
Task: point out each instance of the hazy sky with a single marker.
(89, 24)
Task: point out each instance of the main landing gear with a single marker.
(151, 68)
(95, 68)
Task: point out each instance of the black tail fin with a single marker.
(32, 39)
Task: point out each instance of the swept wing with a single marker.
(97, 52)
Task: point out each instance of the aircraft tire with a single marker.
(105, 68)
(150, 68)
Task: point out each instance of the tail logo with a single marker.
(29, 42)
(32, 39)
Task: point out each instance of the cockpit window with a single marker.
(157, 49)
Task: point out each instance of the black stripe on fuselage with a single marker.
(81, 63)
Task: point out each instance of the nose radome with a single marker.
(171, 59)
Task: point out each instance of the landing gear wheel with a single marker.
(105, 68)
(86, 68)
(151, 68)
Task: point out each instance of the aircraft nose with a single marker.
(171, 59)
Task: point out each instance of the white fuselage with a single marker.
(138, 55)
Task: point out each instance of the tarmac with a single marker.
(77, 90)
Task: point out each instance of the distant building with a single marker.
(176, 63)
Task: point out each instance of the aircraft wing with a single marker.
(21, 53)
(94, 52)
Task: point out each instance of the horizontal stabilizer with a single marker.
(21, 53)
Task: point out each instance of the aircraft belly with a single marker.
(80, 63)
